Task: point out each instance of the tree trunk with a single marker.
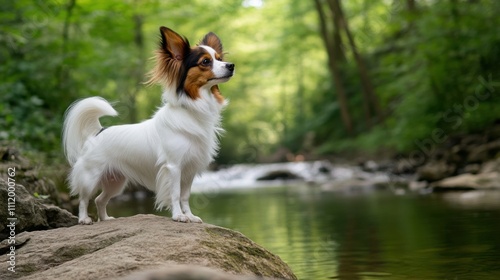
(338, 45)
(370, 98)
(334, 69)
(63, 74)
(300, 91)
(138, 71)
(411, 5)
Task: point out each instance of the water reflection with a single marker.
(473, 199)
(375, 236)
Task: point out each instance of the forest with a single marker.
(314, 78)
(362, 140)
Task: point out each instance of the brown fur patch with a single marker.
(197, 77)
(166, 70)
(173, 49)
(214, 42)
(216, 92)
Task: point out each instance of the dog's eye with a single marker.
(205, 62)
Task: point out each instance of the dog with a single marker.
(163, 153)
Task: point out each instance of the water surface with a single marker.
(376, 235)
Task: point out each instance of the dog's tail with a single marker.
(81, 121)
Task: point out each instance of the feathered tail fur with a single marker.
(81, 121)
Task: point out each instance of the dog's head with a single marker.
(188, 69)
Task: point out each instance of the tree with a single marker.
(333, 49)
(332, 23)
(370, 101)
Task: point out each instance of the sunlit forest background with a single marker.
(314, 78)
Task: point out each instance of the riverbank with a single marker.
(461, 162)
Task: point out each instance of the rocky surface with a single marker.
(30, 213)
(27, 174)
(435, 170)
(467, 181)
(484, 176)
(462, 162)
(188, 272)
(117, 248)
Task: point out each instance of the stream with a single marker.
(358, 233)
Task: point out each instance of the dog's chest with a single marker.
(187, 138)
(201, 147)
(190, 149)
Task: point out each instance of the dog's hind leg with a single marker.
(83, 215)
(112, 185)
(83, 182)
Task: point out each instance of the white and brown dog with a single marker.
(163, 153)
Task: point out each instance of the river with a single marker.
(358, 235)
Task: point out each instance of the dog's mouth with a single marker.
(227, 77)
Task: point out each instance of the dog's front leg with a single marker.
(186, 182)
(169, 187)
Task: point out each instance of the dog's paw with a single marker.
(108, 218)
(180, 218)
(195, 219)
(85, 221)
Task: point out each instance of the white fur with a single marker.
(163, 153)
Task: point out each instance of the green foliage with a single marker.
(436, 68)
(424, 64)
(28, 76)
(444, 71)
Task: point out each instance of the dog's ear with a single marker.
(173, 44)
(214, 42)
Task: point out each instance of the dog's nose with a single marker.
(230, 66)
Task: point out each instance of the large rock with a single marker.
(435, 170)
(116, 248)
(188, 272)
(491, 166)
(483, 153)
(30, 213)
(481, 181)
